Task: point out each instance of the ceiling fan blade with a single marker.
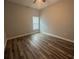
(34, 1)
(44, 0)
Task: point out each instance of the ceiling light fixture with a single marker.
(39, 0)
(39, 3)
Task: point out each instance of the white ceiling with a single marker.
(30, 3)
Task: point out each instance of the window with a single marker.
(35, 23)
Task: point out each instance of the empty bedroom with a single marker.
(39, 29)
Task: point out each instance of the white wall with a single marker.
(18, 19)
(58, 19)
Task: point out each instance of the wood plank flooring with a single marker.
(38, 46)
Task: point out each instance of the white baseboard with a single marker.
(57, 36)
(21, 35)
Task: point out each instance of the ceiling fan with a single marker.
(39, 4)
(37, 0)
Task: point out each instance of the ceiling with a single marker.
(30, 3)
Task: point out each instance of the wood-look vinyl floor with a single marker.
(39, 46)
